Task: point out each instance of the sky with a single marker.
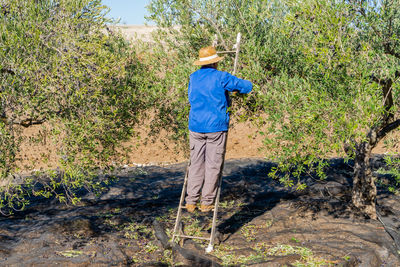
(131, 12)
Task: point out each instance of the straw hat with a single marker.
(207, 55)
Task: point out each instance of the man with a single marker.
(208, 126)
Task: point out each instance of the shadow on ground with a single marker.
(257, 214)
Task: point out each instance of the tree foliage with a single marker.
(62, 67)
(325, 74)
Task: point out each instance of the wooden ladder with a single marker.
(211, 239)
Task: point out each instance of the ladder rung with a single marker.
(225, 52)
(186, 208)
(193, 237)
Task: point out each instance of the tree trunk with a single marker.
(364, 189)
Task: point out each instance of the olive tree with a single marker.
(344, 100)
(61, 66)
(325, 74)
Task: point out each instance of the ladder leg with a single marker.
(216, 204)
(179, 214)
(214, 221)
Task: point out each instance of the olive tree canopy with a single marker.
(325, 73)
(61, 66)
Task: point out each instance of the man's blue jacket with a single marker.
(209, 99)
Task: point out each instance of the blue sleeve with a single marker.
(231, 83)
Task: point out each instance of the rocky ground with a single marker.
(261, 223)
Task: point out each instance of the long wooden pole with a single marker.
(236, 50)
(238, 39)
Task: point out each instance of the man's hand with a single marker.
(235, 93)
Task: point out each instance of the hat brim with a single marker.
(207, 62)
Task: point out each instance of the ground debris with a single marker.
(261, 223)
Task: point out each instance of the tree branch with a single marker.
(386, 85)
(4, 9)
(377, 80)
(215, 26)
(397, 74)
(387, 129)
(8, 71)
(384, 82)
(390, 51)
(361, 10)
(388, 97)
(29, 122)
(386, 45)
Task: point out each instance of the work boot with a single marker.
(206, 208)
(190, 207)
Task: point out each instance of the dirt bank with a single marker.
(243, 142)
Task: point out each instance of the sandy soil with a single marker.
(136, 32)
(243, 142)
